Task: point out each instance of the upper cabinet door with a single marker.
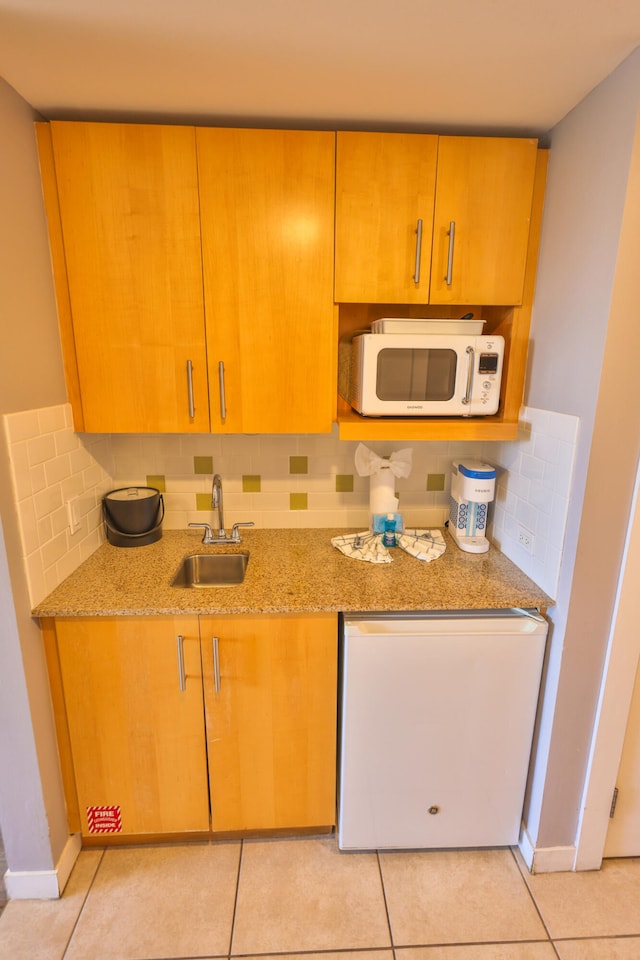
(128, 206)
(482, 217)
(267, 208)
(385, 185)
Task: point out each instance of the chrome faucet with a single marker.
(216, 503)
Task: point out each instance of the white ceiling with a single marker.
(461, 65)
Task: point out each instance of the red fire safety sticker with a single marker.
(104, 819)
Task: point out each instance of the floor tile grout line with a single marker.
(325, 951)
(235, 901)
(83, 904)
(386, 904)
(533, 899)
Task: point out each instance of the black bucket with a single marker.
(133, 516)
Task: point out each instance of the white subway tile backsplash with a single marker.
(41, 449)
(533, 491)
(50, 464)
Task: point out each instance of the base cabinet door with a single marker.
(132, 688)
(270, 687)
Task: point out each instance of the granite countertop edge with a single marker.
(289, 571)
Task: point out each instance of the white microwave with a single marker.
(422, 375)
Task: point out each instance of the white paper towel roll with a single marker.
(382, 490)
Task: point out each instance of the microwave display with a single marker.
(416, 374)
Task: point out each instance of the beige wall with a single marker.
(585, 335)
(32, 816)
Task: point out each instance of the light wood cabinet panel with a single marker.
(130, 230)
(267, 208)
(271, 727)
(385, 185)
(386, 182)
(137, 740)
(485, 188)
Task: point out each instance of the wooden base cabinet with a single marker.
(270, 687)
(141, 758)
(132, 689)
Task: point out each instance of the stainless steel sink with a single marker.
(211, 570)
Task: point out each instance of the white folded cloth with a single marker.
(424, 545)
(363, 546)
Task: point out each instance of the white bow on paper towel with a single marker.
(383, 472)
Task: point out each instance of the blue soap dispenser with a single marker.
(389, 535)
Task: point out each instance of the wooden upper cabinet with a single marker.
(130, 231)
(396, 198)
(385, 188)
(485, 190)
(267, 209)
(135, 725)
(271, 720)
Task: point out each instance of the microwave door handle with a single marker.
(471, 354)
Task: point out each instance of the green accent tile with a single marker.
(203, 501)
(344, 483)
(298, 501)
(203, 464)
(158, 482)
(298, 465)
(251, 483)
(435, 481)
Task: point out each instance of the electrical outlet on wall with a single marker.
(526, 539)
(72, 515)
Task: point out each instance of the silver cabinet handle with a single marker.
(216, 665)
(192, 406)
(223, 400)
(416, 272)
(452, 240)
(181, 674)
(472, 357)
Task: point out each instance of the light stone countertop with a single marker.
(289, 571)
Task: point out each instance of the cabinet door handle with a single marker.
(452, 240)
(192, 406)
(182, 678)
(216, 665)
(416, 272)
(223, 400)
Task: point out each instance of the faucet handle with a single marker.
(207, 536)
(235, 536)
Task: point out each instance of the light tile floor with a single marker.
(303, 897)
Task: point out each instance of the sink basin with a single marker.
(211, 570)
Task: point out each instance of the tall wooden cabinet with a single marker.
(132, 689)
(271, 707)
(267, 207)
(123, 209)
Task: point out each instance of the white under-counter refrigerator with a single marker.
(437, 719)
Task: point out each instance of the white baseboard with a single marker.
(546, 859)
(44, 884)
